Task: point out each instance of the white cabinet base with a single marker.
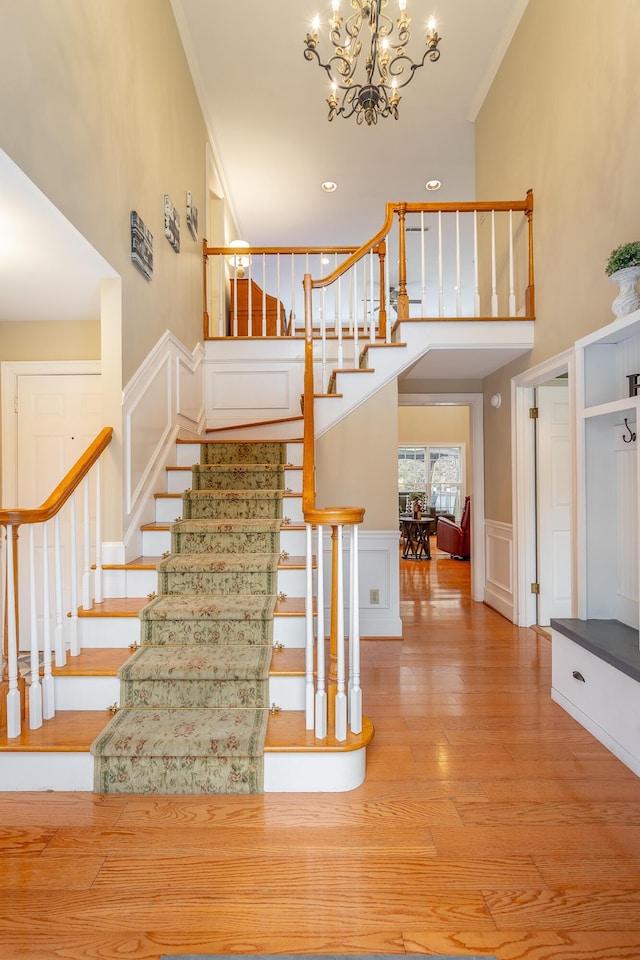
(603, 698)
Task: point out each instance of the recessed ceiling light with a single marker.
(329, 186)
(433, 184)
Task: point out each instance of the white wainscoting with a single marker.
(164, 395)
(379, 569)
(498, 552)
(240, 389)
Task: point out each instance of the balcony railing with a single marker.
(430, 261)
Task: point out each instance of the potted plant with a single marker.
(623, 267)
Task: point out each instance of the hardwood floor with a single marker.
(489, 822)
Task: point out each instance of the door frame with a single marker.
(10, 372)
(475, 404)
(523, 467)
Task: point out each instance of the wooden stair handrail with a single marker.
(56, 500)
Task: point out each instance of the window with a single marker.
(433, 472)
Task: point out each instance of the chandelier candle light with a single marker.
(388, 67)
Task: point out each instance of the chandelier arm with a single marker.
(432, 54)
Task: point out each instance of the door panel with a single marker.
(554, 503)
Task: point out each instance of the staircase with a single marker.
(57, 755)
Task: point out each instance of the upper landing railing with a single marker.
(448, 261)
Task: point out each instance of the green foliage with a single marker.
(626, 255)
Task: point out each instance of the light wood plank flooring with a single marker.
(490, 822)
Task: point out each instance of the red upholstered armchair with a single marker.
(455, 538)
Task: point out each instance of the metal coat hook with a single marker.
(631, 436)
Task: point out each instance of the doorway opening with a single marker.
(418, 426)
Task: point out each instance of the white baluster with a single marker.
(73, 621)
(440, 281)
(35, 690)
(339, 314)
(458, 275)
(279, 329)
(98, 577)
(86, 575)
(235, 300)
(494, 292)
(58, 640)
(13, 696)
(293, 292)
(341, 697)
(372, 315)
(264, 296)
(512, 295)
(321, 692)
(309, 651)
(476, 281)
(249, 297)
(222, 320)
(355, 690)
(351, 299)
(48, 697)
(356, 322)
(423, 269)
(323, 332)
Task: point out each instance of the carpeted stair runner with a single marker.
(192, 716)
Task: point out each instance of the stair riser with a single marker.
(189, 453)
(101, 693)
(169, 509)
(283, 772)
(118, 632)
(156, 542)
(140, 583)
(178, 480)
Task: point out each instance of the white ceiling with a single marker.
(265, 108)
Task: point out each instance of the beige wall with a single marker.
(77, 340)
(357, 461)
(562, 117)
(98, 108)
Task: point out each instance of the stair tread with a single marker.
(106, 661)
(73, 731)
(70, 731)
(94, 662)
(286, 733)
(131, 607)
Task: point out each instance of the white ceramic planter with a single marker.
(628, 299)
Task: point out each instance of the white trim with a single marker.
(523, 480)
(475, 403)
(498, 591)
(10, 372)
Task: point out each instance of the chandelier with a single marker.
(387, 67)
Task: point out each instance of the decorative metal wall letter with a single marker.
(141, 246)
(192, 217)
(171, 224)
(634, 384)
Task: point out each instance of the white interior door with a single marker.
(57, 418)
(553, 502)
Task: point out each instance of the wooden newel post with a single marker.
(403, 298)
